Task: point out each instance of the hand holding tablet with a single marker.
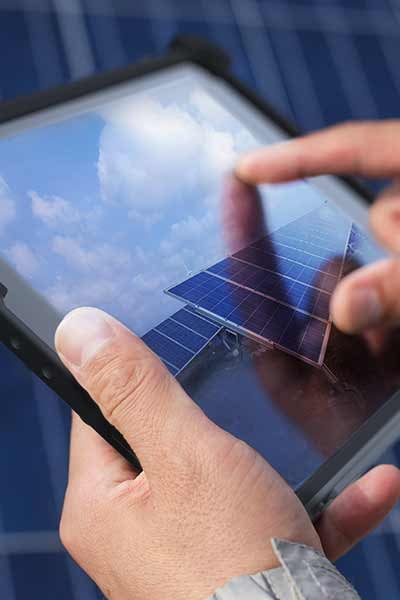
(206, 506)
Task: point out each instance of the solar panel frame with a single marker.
(235, 321)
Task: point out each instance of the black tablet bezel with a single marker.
(335, 473)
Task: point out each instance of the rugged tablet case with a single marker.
(336, 472)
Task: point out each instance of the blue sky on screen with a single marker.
(111, 207)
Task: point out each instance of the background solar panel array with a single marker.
(283, 300)
(319, 63)
(180, 338)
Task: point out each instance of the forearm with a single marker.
(305, 574)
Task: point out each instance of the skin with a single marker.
(369, 299)
(206, 505)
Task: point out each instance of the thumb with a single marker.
(133, 389)
(368, 298)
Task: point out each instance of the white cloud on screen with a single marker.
(152, 155)
(162, 164)
(126, 284)
(53, 210)
(152, 158)
(7, 204)
(97, 260)
(23, 258)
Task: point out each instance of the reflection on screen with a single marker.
(130, 207)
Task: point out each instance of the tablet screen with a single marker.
(125, 200)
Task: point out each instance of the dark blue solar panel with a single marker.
(191, 340)
(267, 318)
(34, 574)
(167, 350)
(193, 311)
(278, 288)
(179, 339)
(200, 325)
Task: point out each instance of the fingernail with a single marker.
(81, 334)
(366, 307)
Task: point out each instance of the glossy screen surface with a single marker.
(126, 201)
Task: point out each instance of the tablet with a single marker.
(118, 193)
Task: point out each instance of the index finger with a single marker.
(243, 217)
(368, 149)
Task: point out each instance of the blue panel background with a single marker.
(319, 62)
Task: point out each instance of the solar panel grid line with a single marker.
(318, 230)
(204, 324)
(30, 542)
(304, 20)
(78, 48)
(105, 36)
(301, 19)
(188, 328)
(284, 275)
(269, 329)
(274, 344)
(296, 241)
(387, 26)
(7, 585)
(43, 43)
(287, 252)
(178, 345)
(294, 64)
(55, 433)
(353, 78)
(166, 349)
(158, 328)
(322, 232)
(284, 348)
(256, 41)
(226, 322)
(299, 319)
(263, 294)
(281, 253)
(391, 61)
(172, 368)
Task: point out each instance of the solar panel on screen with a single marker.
(277, 290)
(180, 338)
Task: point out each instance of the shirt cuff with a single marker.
(305, 574)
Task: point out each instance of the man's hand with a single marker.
(206, 505)
(370, 297)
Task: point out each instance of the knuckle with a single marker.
(119, 382)
(238, 455)
(233, 455)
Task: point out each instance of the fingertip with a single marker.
(355, 308)
(384, 218)
(271, 164)
(245, 168)
(381, 486)
(81, 334)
